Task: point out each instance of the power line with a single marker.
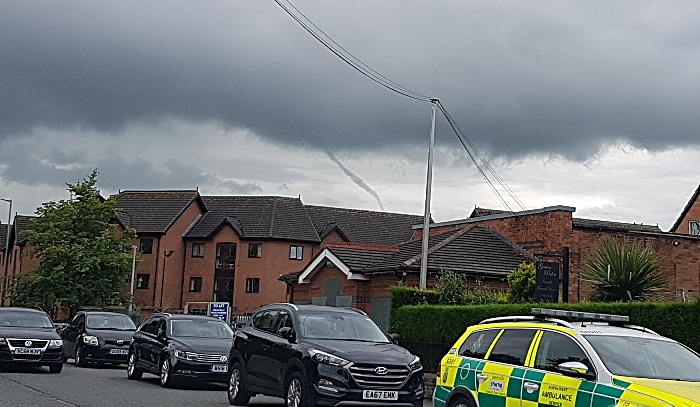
(481, 163)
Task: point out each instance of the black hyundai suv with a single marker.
(316, 355)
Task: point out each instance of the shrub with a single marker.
(521, 283)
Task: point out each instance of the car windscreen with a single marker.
(200, 328)
(343, 326)
(24, 319)
(646, 357)
(113, 322)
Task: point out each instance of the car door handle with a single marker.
(266, 347)
(531, 387)
(481, 377)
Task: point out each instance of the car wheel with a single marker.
(237, 394)
(56, 367)
(166, 374)
(80, 357)
(296, 396)
(133, 372)
(461, 402)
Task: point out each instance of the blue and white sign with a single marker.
(219, 310)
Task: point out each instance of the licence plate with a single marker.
(219, 368)
(119, 351)
(380, 395)
(27, 351)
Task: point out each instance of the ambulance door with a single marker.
(562, 374)
(500, 376)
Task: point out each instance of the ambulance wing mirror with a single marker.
(573, 368)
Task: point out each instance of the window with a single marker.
(146, 246)
(225, 255)
(142, 280)
(255, 250)
(694, 228)
(556, 348)
(196, 284)
(512, 346)
(197, 249)
(150, 326)
(252, 285)
(295, 252)
(265, 320)
(478, 343)
(284, 321)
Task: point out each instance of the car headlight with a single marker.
(3, 341)
(55, 343)
(327, 358)
(415, 365)
(185, 355)
(90, 340)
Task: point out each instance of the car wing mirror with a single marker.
(287, 333)
(161, 333)
(394, 337)
(573, 368)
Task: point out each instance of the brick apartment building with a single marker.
(194, 249)
(252, 250)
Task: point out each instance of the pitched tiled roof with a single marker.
(256, 217)
(618, 226)
(152, 211)
(3, 236)
(361, 226)
(21, 225)
(474, 250)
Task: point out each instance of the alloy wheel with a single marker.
(131, 364)
(165, 372)
(294, 393)
(234, 383)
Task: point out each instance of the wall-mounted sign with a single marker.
(694, 228)
(547, 282)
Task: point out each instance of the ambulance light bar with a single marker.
(589, 316)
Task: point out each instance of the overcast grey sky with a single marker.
(591, 104)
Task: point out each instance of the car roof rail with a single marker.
(640, 328)
(527, 318)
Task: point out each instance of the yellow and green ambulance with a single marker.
(543, 360)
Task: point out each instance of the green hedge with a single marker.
(444, 324)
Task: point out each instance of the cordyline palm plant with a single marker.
(623, 271)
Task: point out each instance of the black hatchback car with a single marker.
(177, 346)
(98, 337)
(317, 355)
(28, 337)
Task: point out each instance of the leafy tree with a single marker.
(521, 283)
(450, 287)
(84, 260)
(623, 271)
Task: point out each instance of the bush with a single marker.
(450, 288)
(444, 323)
(521, 283)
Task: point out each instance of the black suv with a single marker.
(316, 355)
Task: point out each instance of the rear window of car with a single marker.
(512, 346)
(477, 343)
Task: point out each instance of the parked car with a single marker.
(98, 337)
(543, 359)
(176, 346)
(28, 337)
(318, 355)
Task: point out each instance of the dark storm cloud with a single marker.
(519, 77)
(24, 166)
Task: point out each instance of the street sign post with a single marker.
(220, 310)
